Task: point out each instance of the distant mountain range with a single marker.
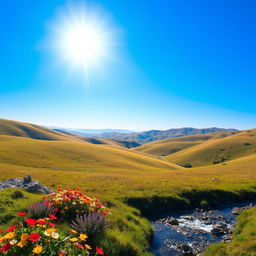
(146, 136)
(89, 132)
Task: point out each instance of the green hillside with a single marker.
(218, 150)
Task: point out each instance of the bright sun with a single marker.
(83, 43)
(83, 37)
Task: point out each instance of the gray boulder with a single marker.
(26, 183)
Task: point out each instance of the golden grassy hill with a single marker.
(73, 156)
(20, 129)
(173, 145)
(15, 128)
(110, 141)
(218, 150)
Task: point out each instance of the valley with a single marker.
(135, 182)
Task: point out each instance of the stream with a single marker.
(189, 232)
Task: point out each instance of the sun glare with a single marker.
(83, 44)
(83, 37)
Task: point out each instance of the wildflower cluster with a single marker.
(68, 203)
(33, 237)
(41, 236)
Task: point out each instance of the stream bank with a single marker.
(189, 232)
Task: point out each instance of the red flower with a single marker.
(99, 251)
(51, 224)
(80, 246)
(34, 237)
(56, 209)
(5, 247)
(53, 217)
(61, 253)
(10, 228)
(41, 221)
(21, 213)
(104, 213)
(30, 221)
(1, 231)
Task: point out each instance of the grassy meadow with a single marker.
(133, 183)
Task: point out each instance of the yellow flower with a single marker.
(47, 233)
(20, 244)
(73, 231)
(83, 237)
(38, 249)
(55, 235)
(24, 237)
(10, 235)
(74, 239)
(2, 239)
(88, 247)
(51, 230)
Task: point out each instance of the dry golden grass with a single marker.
(172, 145)
(217, 150)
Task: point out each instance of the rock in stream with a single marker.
(188, 233)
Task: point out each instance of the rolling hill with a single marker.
(153, 135)
(70, 155)
(173, 145)
(217, 150)
(26, 130)
(15, 128)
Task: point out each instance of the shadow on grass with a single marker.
(190, 199)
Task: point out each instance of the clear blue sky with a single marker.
(177, 63)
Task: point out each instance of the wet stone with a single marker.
(196, 230)
(172, 221)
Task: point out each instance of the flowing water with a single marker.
(195, 230)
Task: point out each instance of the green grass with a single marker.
(244, 237)
(148, 192)
(13, 201)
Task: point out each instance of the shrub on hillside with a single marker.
(186, 165)
(40, 210)
(17, 194)
(92, 224)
